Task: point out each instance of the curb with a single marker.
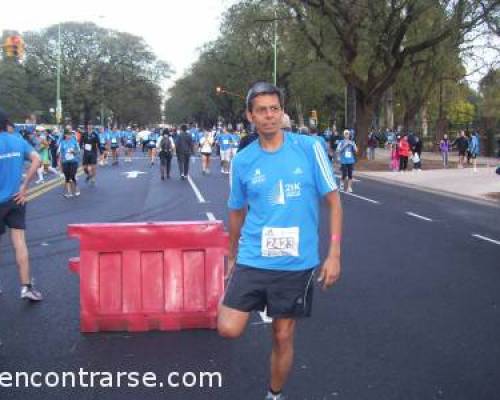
(453, 195)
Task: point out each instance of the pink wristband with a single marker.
(336, 238)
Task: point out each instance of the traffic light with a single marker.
(13, 46)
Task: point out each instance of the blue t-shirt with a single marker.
(235, 140)
(103, 138)
(114, 138)
(346, 152)
(14, 150)
(69, 150)
(282, 190)
(225, 141)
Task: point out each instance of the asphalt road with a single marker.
(415, 315)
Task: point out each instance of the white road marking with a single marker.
(196, 190)
(211, 217)
(418, 216)
(487, 239)
(133, 174)
(361, 197)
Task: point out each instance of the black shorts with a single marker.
(89, 158)
(12, 215)
(461, 153)
(347, 170)
(285, 294)
(129, 145)
(69, 170)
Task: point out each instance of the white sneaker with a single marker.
(349, 190)
(38, 181)
(30, 293)
(68, 195)
(77, 193)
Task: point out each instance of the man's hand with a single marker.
(231, 262)
(330, 272)
(20, 197)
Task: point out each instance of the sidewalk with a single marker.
(482, 186)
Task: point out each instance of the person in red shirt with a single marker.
(404, 153)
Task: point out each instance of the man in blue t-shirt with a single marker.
(277, 183)
(14, 150)
(225, 140)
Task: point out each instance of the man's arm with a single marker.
(330, 271)
(236, 219)
(20, 197)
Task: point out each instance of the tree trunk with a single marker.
(425, 121)
(389, 109)
(364, 117)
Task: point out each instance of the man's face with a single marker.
(266, 114)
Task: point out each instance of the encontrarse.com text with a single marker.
(93, 379)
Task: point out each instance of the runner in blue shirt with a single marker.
(151, 145)
(128, 139)
(103, 146)
(225, 140)
(347, 150)
(277, 183)
(69, 152)
(114, 140)
(235, 143)
(14, 150)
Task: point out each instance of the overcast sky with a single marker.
(174, 29)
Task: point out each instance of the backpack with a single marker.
(166, 145)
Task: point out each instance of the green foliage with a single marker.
(100, 70)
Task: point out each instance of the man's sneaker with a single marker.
(350, 189)
(77, 193)
(271, 396)
(30, 293)
(68, 195)
(39, 181)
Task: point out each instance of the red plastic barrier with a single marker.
(145, 276)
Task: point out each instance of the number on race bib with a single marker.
(278, 242)
(88, 147)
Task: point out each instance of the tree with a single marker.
(101, 70)
(369, 41)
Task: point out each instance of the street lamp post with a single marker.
(58, 94)
(275, 73)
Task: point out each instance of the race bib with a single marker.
(278, 242)
(348, 154)
(113, 141)
(152, 142)
(225, 142)
(69, 156)
(88, 147)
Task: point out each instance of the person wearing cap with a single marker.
(14, 150)
(277, 183)
(347, 150)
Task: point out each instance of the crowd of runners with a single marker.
(63, 154)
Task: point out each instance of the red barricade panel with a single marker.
(138, 277)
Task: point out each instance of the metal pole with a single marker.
(275, 74)
(58, 99)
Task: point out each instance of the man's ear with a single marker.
(249, 116)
